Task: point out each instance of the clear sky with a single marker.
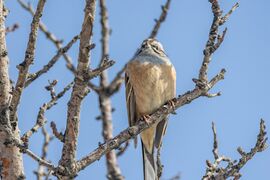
(188, 142)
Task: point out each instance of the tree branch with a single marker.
(50, 64)
(10, 157)
(57, 42)
(80, 89)
(41, 114)
(161, 19)
(47, 139)
(12, 28)
(216, 171)
(24, 66)
(113, 170)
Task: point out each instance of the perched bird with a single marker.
(150, 80)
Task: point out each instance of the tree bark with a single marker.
(11, 164)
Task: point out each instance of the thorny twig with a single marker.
(215, 171)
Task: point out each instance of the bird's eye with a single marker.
(155, 47)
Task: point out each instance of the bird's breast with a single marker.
(153, 84)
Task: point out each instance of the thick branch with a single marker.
(10, 157)
(28, 60)
(80, 89)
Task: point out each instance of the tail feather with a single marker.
(149, 165)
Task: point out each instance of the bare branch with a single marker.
(215, 170)
(58, 135)
(28, 60)
(41, 120)
(80, 89)
(47, 139)
(215, 144)
(113, 170)
(12, 28)
(259, 147)
(211, 44)
(49, 35)
(226, 16)
(161, 19)
(13, 140)
(50, 88)
(10, 157)
(133, 131)
(96, 72)
(50, 64)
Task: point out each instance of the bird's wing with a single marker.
(171, 90)
(130, 100)
(131, 104)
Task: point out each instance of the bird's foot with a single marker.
(146, 118)
(172, 103)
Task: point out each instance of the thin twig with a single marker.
(161, 19)
(232, 169)
(50, 64)
(40, 172)
(12, 28)
(41, 114)
(56, 41)
(58, 135)
(113, 170)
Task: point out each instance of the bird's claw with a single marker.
(146, 118)
(172, 103)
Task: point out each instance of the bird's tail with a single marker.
(149, 165)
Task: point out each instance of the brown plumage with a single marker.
(150, 82)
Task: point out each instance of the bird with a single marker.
(150, 80)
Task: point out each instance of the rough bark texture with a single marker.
(11, 164)
(79, 91)
(24, 66)
(113, 170)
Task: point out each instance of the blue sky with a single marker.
(188, 142)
